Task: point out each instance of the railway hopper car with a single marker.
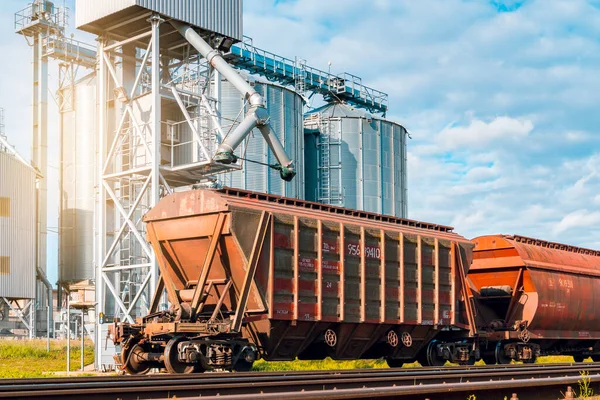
(251, 275)
(535, 298)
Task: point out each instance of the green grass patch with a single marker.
(29, 358)
(556, 359)
(314, 365)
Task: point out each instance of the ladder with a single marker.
(300, 76)
(324, 188)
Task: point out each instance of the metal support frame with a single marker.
(137, 74)
(130, 189)
(23, 313)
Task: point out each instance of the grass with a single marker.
(29, 358)
(329, 364)
(310, 365)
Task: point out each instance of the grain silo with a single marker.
(285, 108)
(78, 177)
(355, 160)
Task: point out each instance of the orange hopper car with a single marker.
(250, 275)
(535, 297)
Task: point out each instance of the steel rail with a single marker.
(528, 388)
(419, 371)
(223, 384)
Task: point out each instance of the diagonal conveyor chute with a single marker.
(256, 117)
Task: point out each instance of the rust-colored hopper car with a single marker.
(535, 297)
(250, 275)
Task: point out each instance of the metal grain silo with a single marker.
(355, 160)
(17, 228)
(285, 107)
(78, 177)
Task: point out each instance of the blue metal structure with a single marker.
(346, 87)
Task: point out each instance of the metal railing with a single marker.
(287, 71)
(42, 11)
(71, 50)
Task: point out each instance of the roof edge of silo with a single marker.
(339, 109)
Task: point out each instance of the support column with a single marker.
(101, 206)
(156, 134)
(39, 156)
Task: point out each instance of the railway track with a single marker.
(420, 383)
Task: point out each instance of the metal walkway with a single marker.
(286, 71)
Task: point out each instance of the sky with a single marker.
(500, 98)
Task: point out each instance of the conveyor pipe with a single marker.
(49, 322)
(256, 116)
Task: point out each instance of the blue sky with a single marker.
(501, 99)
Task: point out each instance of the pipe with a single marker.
(42, 277)
(256, 116)
(82, 339)
(68, 334)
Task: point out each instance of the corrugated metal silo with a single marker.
(285, 109)
(78, 178)
(17, 228)
(358, 161)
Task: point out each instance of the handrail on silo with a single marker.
(256, 117)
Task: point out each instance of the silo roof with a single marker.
(340, 110)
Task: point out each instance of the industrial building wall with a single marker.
(17, 228)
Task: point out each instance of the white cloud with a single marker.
(479, 133)
(577, 219)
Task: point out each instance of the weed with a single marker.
(585, 390)
(326, 364)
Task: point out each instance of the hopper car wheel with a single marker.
(394, 363)
(432, 357)
(243, 366)
(501, 358)
(172, 363)
(132, 361)
(578, 358)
